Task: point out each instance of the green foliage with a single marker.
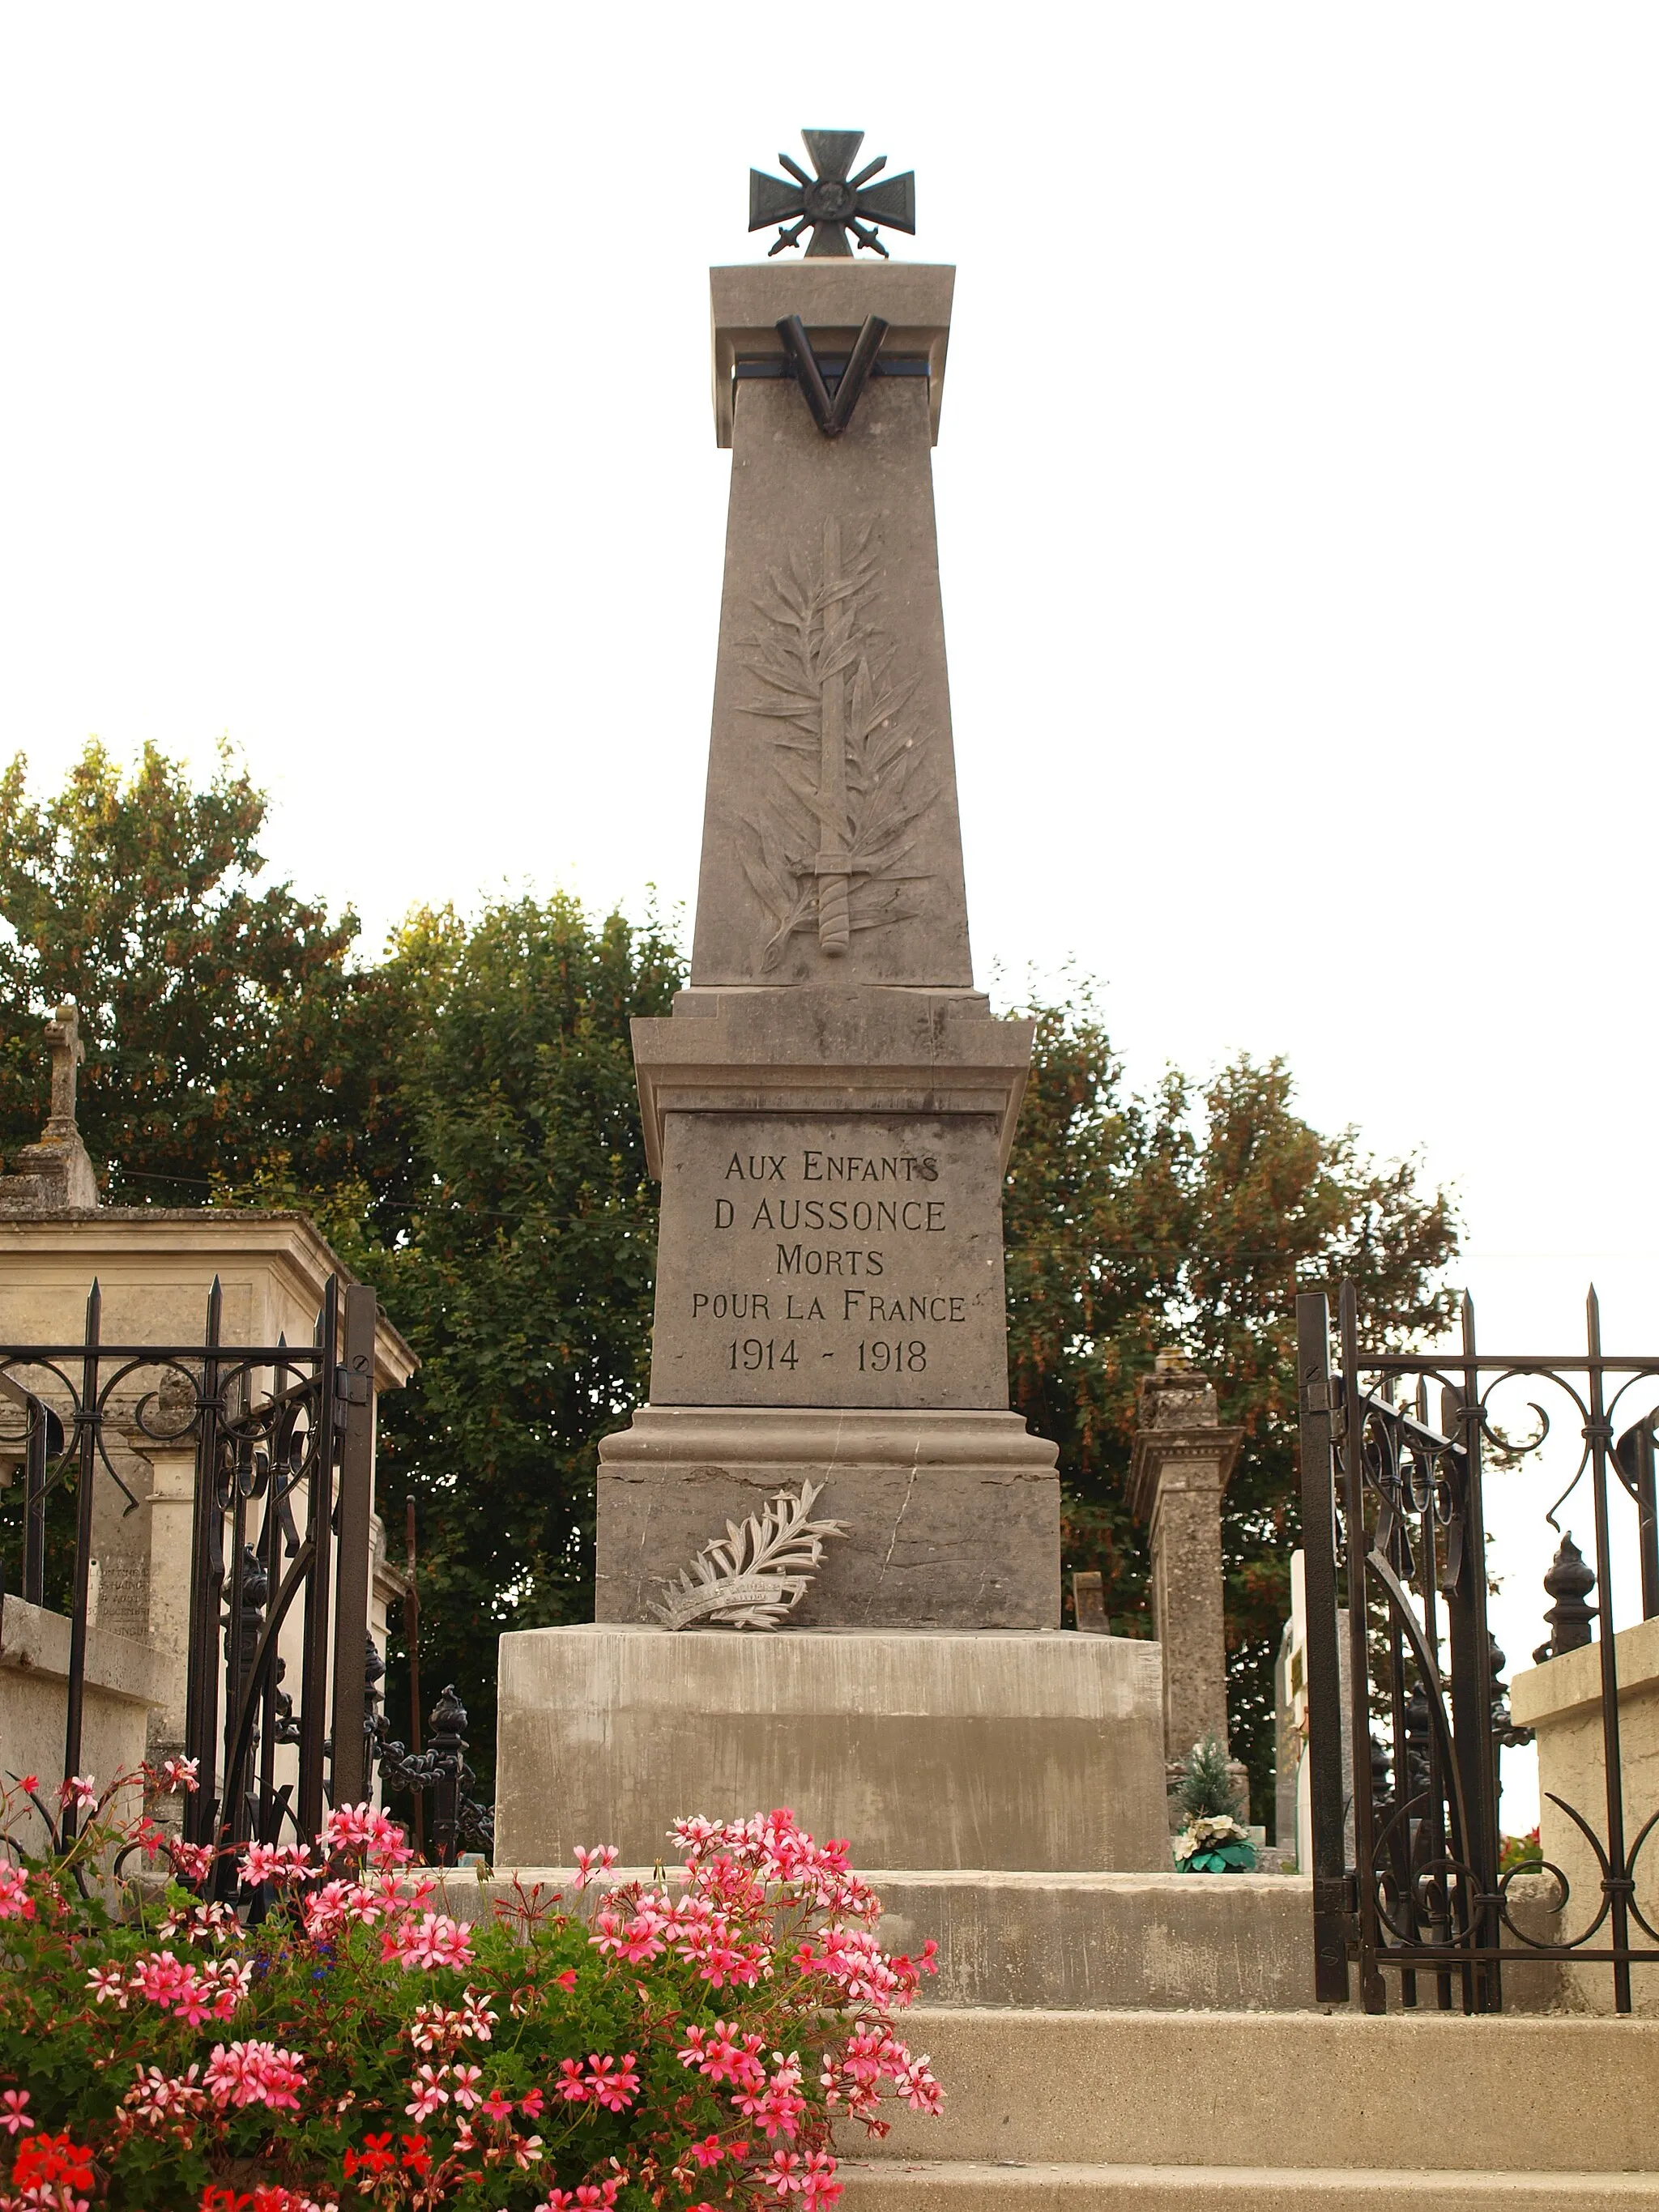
(223, 1033)
(1518, 1851)
(1206, 1787)
(1188, 1219)
(460, 1119)
(345, 2036)
(523, 1270)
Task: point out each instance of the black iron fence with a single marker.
(1406, 1872)
(282, 1440)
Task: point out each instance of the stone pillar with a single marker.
(1182, 1459)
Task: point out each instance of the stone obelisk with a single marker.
(830, 1107)
(831, 1103)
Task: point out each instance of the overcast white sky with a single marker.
(1297, 493)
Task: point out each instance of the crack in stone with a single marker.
(904, 1508)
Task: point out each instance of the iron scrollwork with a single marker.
(459, 1822)
(1394, 1506)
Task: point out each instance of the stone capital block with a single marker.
(832, 298)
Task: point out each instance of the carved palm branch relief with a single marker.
(826, 841)
(756, 1574)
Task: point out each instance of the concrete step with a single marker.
(1272, 2091)
(1098, 1941)
(887, 2185)
(1095, 1942)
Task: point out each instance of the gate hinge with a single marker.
(352, 1389)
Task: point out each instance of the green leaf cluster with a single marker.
(224, 1031)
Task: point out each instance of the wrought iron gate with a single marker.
(1406, 1872)
(282, 1439)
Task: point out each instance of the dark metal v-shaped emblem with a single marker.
(832, 412)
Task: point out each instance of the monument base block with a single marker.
(952, 1519)
(988, 1750)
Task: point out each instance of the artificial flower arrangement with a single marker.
(1210, 1840)
(685, 2044)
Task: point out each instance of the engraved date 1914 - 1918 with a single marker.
(755, 1355)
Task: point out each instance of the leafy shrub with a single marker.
(681, 2043)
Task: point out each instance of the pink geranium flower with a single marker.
(13, 2117)
(613, 2082)
(428, 2092)
(433, 1940)
(277, 1863)
(590, 1865)
(255, 2073)
(15, 1903)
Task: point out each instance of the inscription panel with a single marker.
(851, 1260)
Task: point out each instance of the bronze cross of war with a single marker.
(831, 203)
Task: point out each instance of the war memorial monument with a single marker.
(828, 1569)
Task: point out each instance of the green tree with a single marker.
(523, 1275)
(460, 1116)
(1189, 1219)
(226, 1037)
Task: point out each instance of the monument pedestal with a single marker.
(952, 1518)
(1040, 1751)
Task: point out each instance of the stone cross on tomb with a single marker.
(54, 1174)
(63, 1039)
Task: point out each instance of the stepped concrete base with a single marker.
(1287, 2090)
(884, 2186)
(1036, 1751)
(1076, 1942)
(1152, 1943)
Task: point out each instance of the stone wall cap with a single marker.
(1572, 1683)
(36, 1641)
(1157, 1449)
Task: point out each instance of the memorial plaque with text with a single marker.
(851, 1260)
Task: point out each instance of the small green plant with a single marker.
(1213, 1840)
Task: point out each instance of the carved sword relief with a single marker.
(824, 844)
